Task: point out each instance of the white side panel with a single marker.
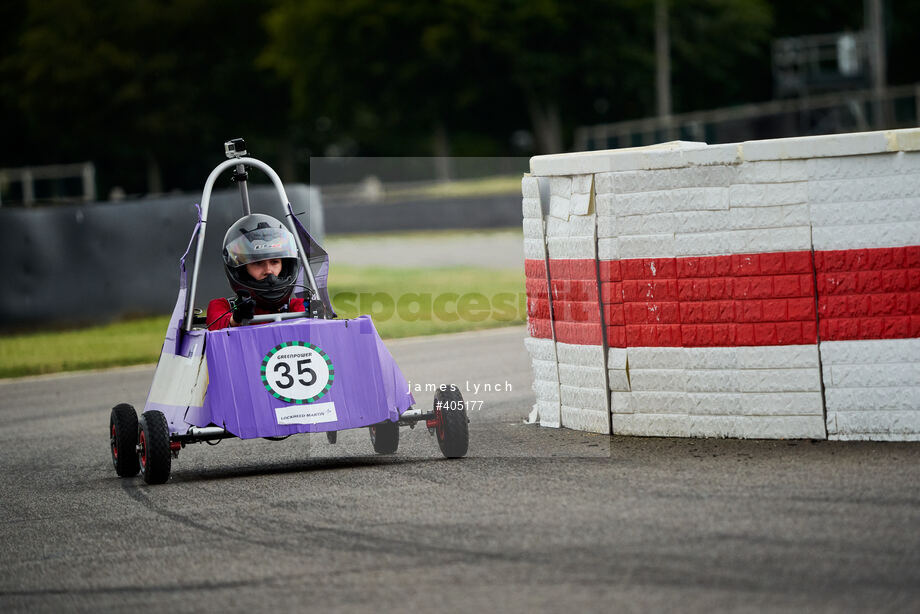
(179, 381)
(751, 392)
(872, 389)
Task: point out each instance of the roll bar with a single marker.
(205, 202)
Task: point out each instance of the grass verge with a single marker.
(485, 186)
(403, 303)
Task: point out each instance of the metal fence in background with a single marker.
(850, 111)
(55, 183)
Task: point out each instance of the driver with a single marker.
(260, 259)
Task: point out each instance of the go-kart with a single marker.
(284, 374)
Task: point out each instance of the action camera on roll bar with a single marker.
(235, 148)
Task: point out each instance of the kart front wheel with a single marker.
(123, 440)
(153, 453)
(385, 437)
(451, 424)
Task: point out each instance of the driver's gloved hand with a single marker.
(243, 308)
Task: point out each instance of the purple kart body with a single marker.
(285, 374)
(367, 386)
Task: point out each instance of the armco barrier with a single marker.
(764, 289)
(95, 262)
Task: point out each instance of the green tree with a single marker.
(379, 71)
(143, 87)
(720, 52)
(389, 73)
(574, 62)
(385, 70)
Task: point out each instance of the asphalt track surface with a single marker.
(533, 519)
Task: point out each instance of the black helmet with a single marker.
(261, 237)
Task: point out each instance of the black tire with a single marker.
(153, 447)
(123, 440)
(452, 429)
(385, 437)
(332, 436)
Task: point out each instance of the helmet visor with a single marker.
(260, 244)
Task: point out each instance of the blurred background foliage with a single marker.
(148, 89)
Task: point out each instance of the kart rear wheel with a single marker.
(452, 426)
(153, 453)
(385, 437)
(123, 440)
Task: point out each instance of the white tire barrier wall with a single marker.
(865, 216)
(545, 381)
(764, 289)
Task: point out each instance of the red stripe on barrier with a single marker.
(868, 259)
(653, 289)
(538, 308)
(576, 311)
(534, 269)
(868, 293)
(747, 299)
(610, 270)
(579, 333)
(612, 291)
(536, 288)
(539, 328)
(616, 336)
(649, 268)
(613, 315)
(574, 290)
(573, 269)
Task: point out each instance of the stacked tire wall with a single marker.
(766, 289)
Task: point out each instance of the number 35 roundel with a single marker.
(297, 372)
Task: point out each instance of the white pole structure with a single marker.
(877, 60)
(28, 187)
(89, 182)
(663, 66)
